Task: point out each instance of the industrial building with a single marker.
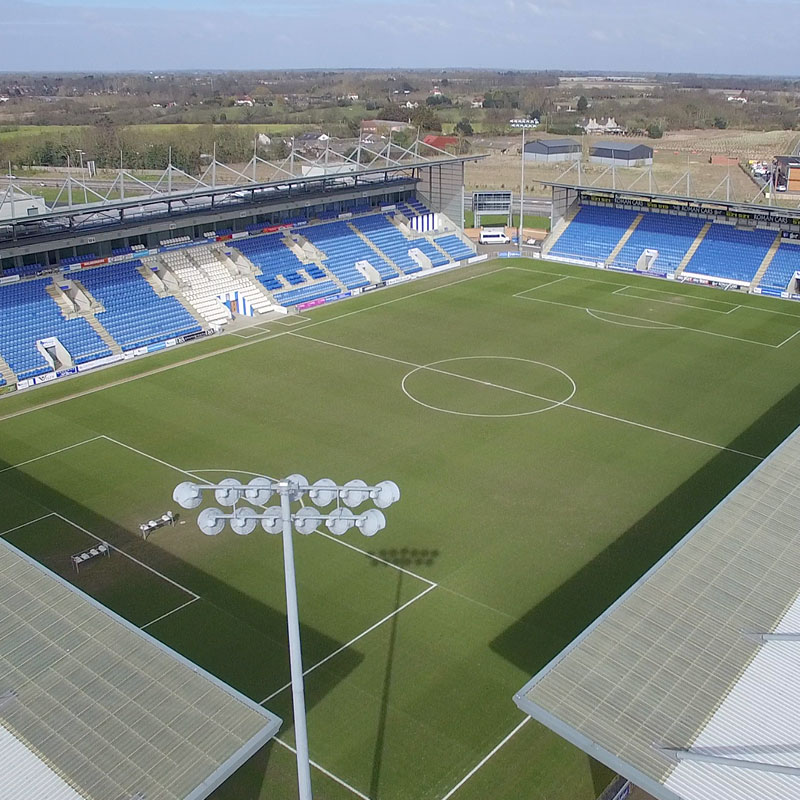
(787, 172)
(621, 154)
(553, 150)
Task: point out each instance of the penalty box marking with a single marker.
(430, 585)
(193, 596)
(523, 295)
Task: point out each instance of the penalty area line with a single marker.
(324, 771)
(486, 758)
(353, 641)
(164, 616)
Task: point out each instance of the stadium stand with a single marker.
(672, 236)
(204, 278)
(275, 260)
(29, 314)
(134, 314)
(593, 233)
(454, 247)
(783, 266)
(343, 249)
(387, 237)
(306, 293)
(731, 253)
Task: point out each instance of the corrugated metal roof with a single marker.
(104, 706)
(668, 663)
(621, 146)
(553, 144)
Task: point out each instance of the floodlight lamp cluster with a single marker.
(259, 491)
(522, 123)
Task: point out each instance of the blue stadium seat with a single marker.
(732, 253)
(135, 315)
(782, 267)
(343, 248)
(671, 235)
(455, 248)
(307, 293)
(593, 233)
(29, 314)
(274, 259)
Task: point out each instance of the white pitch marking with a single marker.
(353, 641)
(486, 758)
(432, 368)
(127, 555)
(645, 319)
(646, 289)
(788, 339)
(152, 458)
(344, 543)
(325, 771)
(654, 326)
(404, 297)
(163, 616)
(550, 400)
(55, 452)
(622, 293)
(29, 522)
(542, 285)
(249, 343)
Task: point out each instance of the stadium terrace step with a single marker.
(7, 376)
(440, 249)
(624, 240)
(68, 309)
(364, 238)
(559, 228)
(783, 266)
(771, 253)
(693, 249)
(103, 333)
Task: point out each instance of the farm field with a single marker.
(553, 429)
(673, 155)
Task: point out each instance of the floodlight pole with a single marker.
(295, 651)
(524, 124)
(258, 492)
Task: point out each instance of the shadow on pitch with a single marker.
(407, 558)
(229, 633)
(547, 628)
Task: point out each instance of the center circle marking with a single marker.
(433, 366)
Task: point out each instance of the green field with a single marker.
(531, 220)
(553, 429)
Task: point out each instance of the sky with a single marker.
(708, 36)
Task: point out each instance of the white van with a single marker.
(493, 236)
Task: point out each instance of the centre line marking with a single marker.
(573, 406)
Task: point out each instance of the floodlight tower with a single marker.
(524, 124)
(279, 519)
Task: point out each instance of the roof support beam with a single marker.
(680, 754)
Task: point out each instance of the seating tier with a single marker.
(782, 267)
(731, 253)
(672, 236)
(29, 314)
(134, 314)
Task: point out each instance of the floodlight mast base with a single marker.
(284, 489)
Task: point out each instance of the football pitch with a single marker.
(554, 430)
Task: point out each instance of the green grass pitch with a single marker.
(553, 429)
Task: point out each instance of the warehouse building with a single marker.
(787, 172)
(552, 150)
(621, 154)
